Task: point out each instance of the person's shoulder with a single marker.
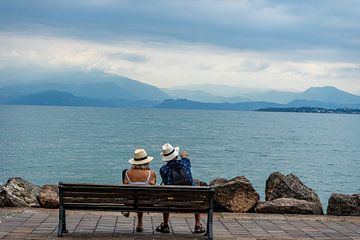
(185, 160)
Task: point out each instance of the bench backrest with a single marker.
(135, 198)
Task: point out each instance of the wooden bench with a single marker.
(180, 199)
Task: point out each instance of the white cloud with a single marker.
(174, 63)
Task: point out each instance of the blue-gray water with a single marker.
(47, 144)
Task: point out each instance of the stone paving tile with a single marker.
(42, 224)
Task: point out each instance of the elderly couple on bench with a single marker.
(176, 171)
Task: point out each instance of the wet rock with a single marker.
(344, 205)
(236, 195)
(18, 192)
(289, 186)
(49, 196)
(289, 206)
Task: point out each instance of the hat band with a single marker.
(167, 154)
(139, 159)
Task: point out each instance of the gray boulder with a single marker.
(289, 206)
(235, 195)
(198, 182)
(18, 192)
(289, 186)
(344, 205)
(49, 196)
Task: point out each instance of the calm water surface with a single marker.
(80, 144)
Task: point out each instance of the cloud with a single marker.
(171, 64)
(255, 25)
(252, 66)
(132, 57)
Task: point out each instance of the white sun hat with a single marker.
(169, 152)
(140, 157)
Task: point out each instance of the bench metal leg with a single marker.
(209, 224)
(60, 226)
(64, 230)
(62, 222)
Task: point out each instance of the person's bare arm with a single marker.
(152, 178)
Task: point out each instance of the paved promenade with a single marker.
(42, 224)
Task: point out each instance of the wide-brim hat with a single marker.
(169, 152)
(140, 157)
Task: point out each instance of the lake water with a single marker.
(46, 144)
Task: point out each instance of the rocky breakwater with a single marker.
(344, 205)
(18, 192)
(235, 195)
(288, 194)
(284, 194)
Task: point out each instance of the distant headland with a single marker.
(312, 110)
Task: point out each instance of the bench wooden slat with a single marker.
(124, 187)
(131, 199)
(90, 202)
(119, 207)
(187, 197)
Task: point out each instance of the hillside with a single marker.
(187, 104)
(87, 84)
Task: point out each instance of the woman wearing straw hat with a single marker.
(140, 174)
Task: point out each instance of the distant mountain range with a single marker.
(89, 84)
(242, 106)
(58, 98)
(101, 89)
(208, 93)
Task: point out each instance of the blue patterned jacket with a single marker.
(164, 170)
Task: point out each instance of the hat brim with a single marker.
(147, 160)
(171, 156)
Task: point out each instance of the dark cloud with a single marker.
(256, 25)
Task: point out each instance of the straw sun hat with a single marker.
(169, 152)
(140, 157)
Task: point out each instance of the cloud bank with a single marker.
(254, 44)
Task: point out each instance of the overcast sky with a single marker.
(287, 45)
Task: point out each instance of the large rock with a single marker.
(236, 195)
(289, 186)
(49, 196)
(18, 192)
(198, 182)
(289, 205)
(344, 205)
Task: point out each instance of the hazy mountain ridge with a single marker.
(201, 96)
(322, 94)
(58, 98)
(188, 104)
(91, 85)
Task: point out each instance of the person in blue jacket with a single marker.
(176, 172)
